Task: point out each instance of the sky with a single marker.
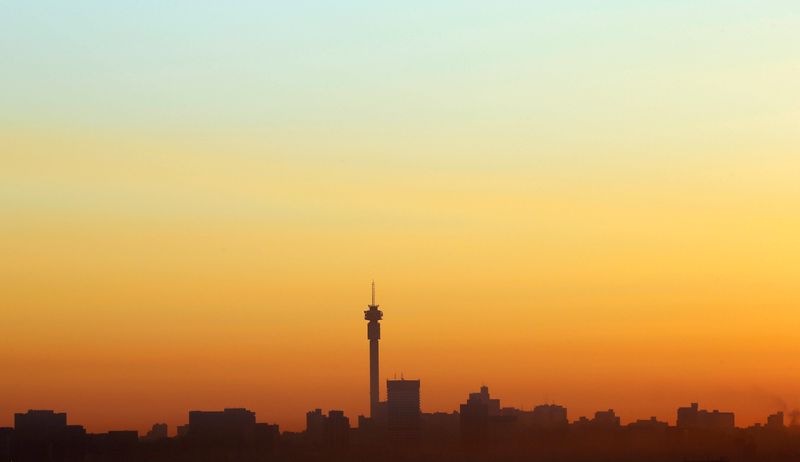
(581, 202)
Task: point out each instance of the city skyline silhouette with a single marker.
(767, 403)
(378, 409)
(343, 230)
(397, 429)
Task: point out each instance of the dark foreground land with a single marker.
(564, 445)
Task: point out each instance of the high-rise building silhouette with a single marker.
(403, 410)
(373, 315)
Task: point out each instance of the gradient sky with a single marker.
(592, 203)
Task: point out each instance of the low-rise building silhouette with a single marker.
(159, 431)
(602, 420)
(549, 416)
(775, 421)
(6, 435)
(484, 422)
(605, 419)
(315, 426)
(232, 424)
(474, 417)
(182, 430)
(40, 422)
(45, 435)
(115, 439)
(229, 427)
(440, 428)
(694, 418)
(648, 424)
(332, 430)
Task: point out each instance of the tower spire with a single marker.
(373, 292)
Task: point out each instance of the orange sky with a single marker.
(138, 288)
(596, 207)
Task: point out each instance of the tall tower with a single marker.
(373, 315)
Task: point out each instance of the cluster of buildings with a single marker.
(44, 435)
(397, 423)
(480, 422)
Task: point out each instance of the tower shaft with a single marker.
(374, 387)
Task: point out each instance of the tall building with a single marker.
(373, 315)
(403, 410)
